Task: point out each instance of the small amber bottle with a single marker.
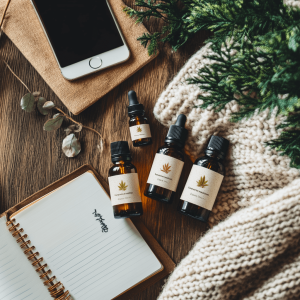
(138, 123)
(204, 181)
(124, 183)
(168, 163)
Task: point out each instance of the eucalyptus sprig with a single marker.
(32, 101)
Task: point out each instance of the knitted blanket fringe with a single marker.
(254, 254)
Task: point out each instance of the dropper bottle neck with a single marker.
(134, 108)
(177, 133)
(173, 144)
(214, 154)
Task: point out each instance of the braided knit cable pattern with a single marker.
(252, 170)
(253, 255)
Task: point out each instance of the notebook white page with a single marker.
(90, 263)
(18, 279)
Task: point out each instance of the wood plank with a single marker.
(31, 158)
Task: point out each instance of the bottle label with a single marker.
(141, 131)
(165, 172)
(124, 189)
(202, 187)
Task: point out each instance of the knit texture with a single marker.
(252, 170)
(255, 253)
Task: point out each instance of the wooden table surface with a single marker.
(31, 158)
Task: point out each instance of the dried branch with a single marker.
(16, 76)
(4, 12)
(71, 145)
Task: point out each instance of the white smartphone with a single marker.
(83, 34)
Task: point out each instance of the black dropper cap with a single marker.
(134, 106)
(120, 151)
(219, 144)
(177, 133)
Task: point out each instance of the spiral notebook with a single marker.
(69, 239)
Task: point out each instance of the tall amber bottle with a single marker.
(204, 181)
(138, 124)
(124, 183)
(168, 163)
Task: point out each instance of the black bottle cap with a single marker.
(120, 150)
(218, 143)
(134, 106)
(177, 133)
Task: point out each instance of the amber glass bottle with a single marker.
(124, 183)
(203, 184)
(138, 124)
(167, 165)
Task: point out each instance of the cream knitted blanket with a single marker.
(255, 252)
(253, 255)
(252, 170)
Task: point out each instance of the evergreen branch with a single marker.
(255, 60)
(172, 12)
(243, 19)
(250, 72)
(150, 40)
(288, 142)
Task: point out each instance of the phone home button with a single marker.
(95, 62)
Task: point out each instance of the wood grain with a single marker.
(31, 158)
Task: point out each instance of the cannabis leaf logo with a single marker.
(122, 186)
(166, 168)
(202, 182)
(139, 129)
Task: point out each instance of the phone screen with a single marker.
(78, 29)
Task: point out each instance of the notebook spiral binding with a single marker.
(56, 289)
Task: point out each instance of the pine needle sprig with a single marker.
(270, 73)
(239, 18)
(184, 18)
(289, 141)
(172, 12)
(255, 59)
(261, 73)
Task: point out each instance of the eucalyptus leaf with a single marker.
(27, 102)
(54, 123)
(78, 128)
(68, 131)
(75, 127)
(57, 115)
(48, 105)
(40, 104)
(71, 145)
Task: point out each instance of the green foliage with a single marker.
(289, 141)
(54, 123)
(71, 146)
(40, 103)
(256, 60)
(172, 12)
(27, 102)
